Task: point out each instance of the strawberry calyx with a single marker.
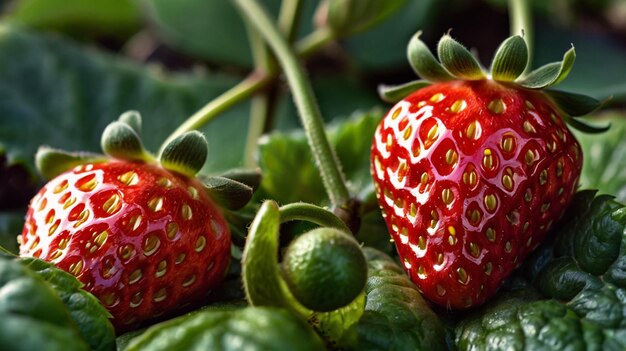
(185, 155)
(508, 68)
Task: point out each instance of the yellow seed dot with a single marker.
(415, 150)
(496, 106)
(113, 204)
(60, 187)
(407, 263)
(68, 203)
(488, 159)
(171, 230)
(186, 212)
(135, 276)
(452, 240)
(528, 195)
(63, 243)
(513, 217)
(490, 234)
(43, 203)
(424, 178)
(491, 202)
(529, 241)
(421, 272)
(440, 259)
(528, 128)
(164, 182)
(451, 157)
(402, 170)
(110, 299)
(462, 276)
(101, 238)
(507, 182)
(421, 242)
(529, 105)
(474, 217)
(129, 178)
(554, 118)
(200, 243)
(474, 249)
(508, 247)
(529, 157)
(56, 254)
(180, 258)
(407, 133)
(413, 210)
(190, 280)
(76, 267)
(193, 192)
(134, 222)
(470, 178)
(160, 295)
(83, 216)
(151, 244)
(559, 168)
(525, 227)
(488, 268)
(441, 291)
(437, 97)
(543, 177)
(161, 269)
(54, 228)
(433, 133)
(473, 130)
(136, 300)
(508, 143)
(88, 183)
(458, 106)
(399, 203)
(155, 204)
(126, 252)
(452, 230)
(551, 146)
(396, 113)
(545, 207)
(447, 196)
(389, 142)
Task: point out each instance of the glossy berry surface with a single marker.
(470, 176)
(142, 239)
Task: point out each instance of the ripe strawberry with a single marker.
(472, 173)
(144, 239)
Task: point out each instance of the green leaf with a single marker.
(251, 328)
(424, 63)
(185, 154)
(348, 17)
(119, 18)
(549, 74)
(396, 93)
(90, 316)
(510, 59)
(457, 60)
(32, 314)
(573, 104)
(396, 316)
(580, 272)
(56, 93)
(604, 166)
(580, 125)
(290, 174)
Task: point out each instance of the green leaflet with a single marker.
(581, 275)
(90, 316)
(396, 316)
(352, 16)
(251, 328)
(604, 166)
(32, 316)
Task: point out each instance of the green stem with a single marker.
(315, 41)
(288, 18)
(311, 213)
(521, 22)
(240, 92)
(305, 102)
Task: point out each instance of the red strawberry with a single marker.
(471, 174)
(144, 239)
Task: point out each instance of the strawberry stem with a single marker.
(311, 213)
(521, 24)
(305, 102)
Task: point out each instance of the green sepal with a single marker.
(52, 162)
(133, 119)
(185, 154)
(395, 93)
(228, 193)
(583, 126)
(510, 59)
(348, 17)
(549, 74)
(119, 140)
(424, 63)
(249, 177)
(573, 104)
(457, 60)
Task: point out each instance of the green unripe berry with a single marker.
(324, 269)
